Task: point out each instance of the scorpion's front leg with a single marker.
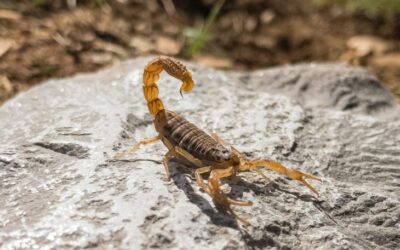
(219, 197)
(213, 188)
(199, 178)
(137, 146)
(177, 152)
(188, 157)
(215, 191)
(222, 199)
(277, 167)
(167, 157)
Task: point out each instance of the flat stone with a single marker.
(62, 189)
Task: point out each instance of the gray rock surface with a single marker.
(60, 188)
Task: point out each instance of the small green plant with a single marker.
(198, 37)
(373, 7)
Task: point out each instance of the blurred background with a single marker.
(42, 39)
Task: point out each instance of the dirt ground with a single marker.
(47, 41)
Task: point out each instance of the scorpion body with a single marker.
(186, 142)
(184, 134)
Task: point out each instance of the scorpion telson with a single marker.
(207, 153)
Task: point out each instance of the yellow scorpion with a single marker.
(187, 143)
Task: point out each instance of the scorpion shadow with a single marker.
(268, 189)
(240, 186)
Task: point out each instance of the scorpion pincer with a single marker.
(186, 142)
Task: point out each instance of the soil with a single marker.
(47, 41)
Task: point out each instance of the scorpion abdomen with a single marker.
(180, 132)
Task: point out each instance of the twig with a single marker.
(169, 7)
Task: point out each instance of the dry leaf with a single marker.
(5, 45)
(111, 47)
(6, 89)
(365, 45)
(250, 23)
(168, 46)
(387, 67)
(98, 58)
(142, 44)
(215, 62)
(391, 60)
(267, 16)
(9, 14)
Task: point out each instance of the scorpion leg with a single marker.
(219, 197)
(291, 173)
(215, 191)
(177, 152)
(137, 146)
(200, 183)
(199, 178)
(167, 157)
(187, 156)
(258, 171)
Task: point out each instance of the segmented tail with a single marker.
(152, 73)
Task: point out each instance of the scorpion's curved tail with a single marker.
(152, 73)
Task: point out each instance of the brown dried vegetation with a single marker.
(38, 43)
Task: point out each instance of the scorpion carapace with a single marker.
(188, 143)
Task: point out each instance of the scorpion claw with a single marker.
(310, 176)
(309, 186)
(221, 199)
(299, 176)
(291, 173)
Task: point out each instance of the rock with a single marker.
(332, 86)
(61, 188)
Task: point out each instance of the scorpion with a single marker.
(207, 153)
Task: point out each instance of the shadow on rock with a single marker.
(317, 203)
(268, 190)
(220, 218)
(264, 242)
(240, 186)
(259, 238)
